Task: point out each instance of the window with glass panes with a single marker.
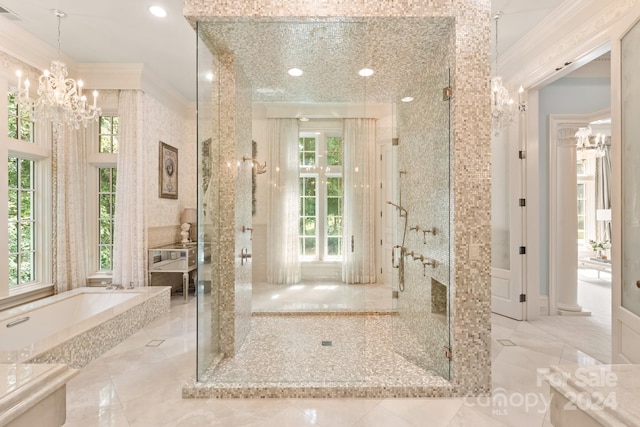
(106, 213)
(22, 226)
(321, 196)
(20, 121)
(107, 143)
(108, 134)
(581, 214)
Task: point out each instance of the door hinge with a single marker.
(395, 141)
(395, 294)
(447, 352)
(523, 250)
(380, 157)
(447, 92)
(381, 185)
(522, 154)
(523, 298)
(380, 271)
(380, 245)
(523, 202)
(380, 214)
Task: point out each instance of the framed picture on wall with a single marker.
(168, 171)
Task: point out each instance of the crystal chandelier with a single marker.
(60, 99)
(503, 108)
(585, 141)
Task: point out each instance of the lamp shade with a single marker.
(189, 215)
(603, 214)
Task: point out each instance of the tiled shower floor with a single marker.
(320, 355)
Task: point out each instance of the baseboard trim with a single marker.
(544, 305)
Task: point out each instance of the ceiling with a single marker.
(123, 31)
(331, 53)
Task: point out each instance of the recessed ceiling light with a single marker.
(295, 72)
(303, 119)
(158, 11)
(366, 72)
(407, 99)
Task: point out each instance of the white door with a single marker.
(507, 191)
(626, 221)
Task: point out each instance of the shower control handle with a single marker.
(393, 256)
(244, 256)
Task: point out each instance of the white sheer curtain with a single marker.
(358, 250)
(69, 176)
(283, 261)
(129, 241)
(603, 193)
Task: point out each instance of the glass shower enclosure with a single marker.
(242, 83)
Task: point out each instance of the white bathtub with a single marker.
(77, 326)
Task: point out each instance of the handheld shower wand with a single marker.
(403, 211)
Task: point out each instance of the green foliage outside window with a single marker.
(21, 221)
(108, 134)
(308, 218)
(334, 151)
(106, 215)
(334, 216)
(20, 123)
(307, 148)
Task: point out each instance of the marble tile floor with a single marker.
(591, 334)
(139, 383)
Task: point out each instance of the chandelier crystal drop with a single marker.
(59, 98)
(503, 108)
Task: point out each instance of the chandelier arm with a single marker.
(59, 98)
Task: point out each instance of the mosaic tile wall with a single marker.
(234, 197)
(423, 159)
(470, 190)
(82, 349)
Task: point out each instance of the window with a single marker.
(108, 134)
(586, 200)
(103, 194)
(22, 251)
(581, 214)
(321, 196)
(106, 211)
(20, 122)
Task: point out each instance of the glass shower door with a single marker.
(421, 327)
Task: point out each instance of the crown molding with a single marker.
(167, 95)
(575, 33)
(29, 49)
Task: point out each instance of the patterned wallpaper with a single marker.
(162, 124)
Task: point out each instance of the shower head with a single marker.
(400, 208)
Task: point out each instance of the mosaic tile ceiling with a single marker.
(331, 52)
